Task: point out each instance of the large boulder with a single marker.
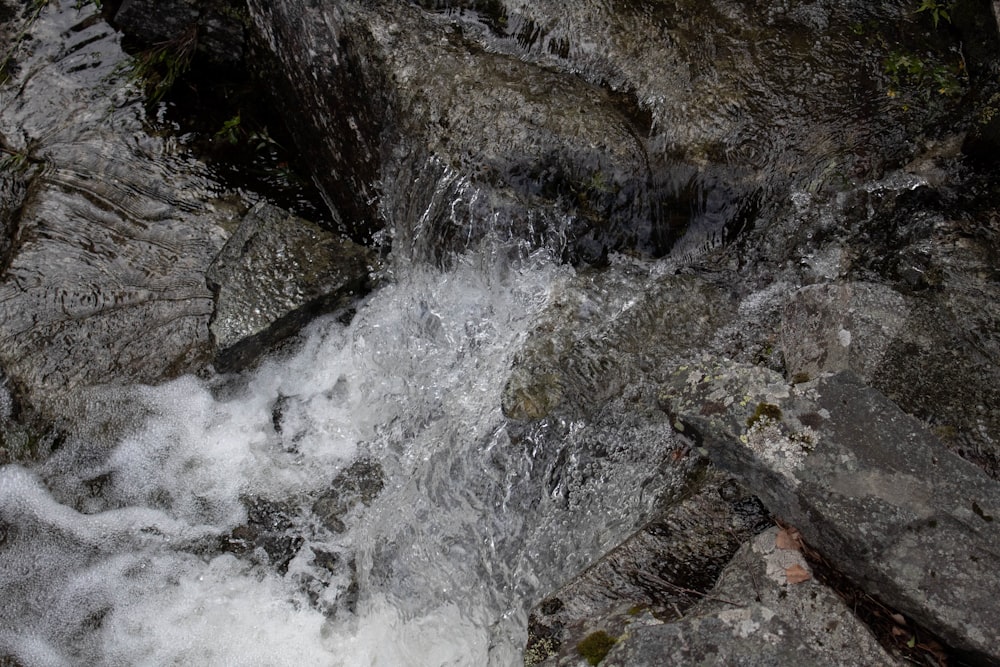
(868, 485)
(104, 280)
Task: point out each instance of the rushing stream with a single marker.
(206, 522)
(465, 533)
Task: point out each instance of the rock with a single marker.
(656, 574)
(754, 616)
(830, 328)
(274, 275)
(266, 536)
(104, 281)
(587, 347)
(446, 141)
(867, 485)
(582, 128)
(358, 484)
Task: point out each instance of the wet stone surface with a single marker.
(652, 577)
(275, 274)
(867, 484)
(757, 614)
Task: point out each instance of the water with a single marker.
(109, 557)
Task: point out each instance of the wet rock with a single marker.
(654, 575)
(358, 484)
(588, 346)
(105, 280)
(875, 492)
(441, 135)
(267, 535)
(587, 129)
(274, 275)
(830, 328)
(757, 615)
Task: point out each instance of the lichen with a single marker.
(595, 646)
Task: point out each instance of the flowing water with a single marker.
(191, 522)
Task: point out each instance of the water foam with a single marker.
(121, 565)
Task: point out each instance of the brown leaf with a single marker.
(796, 574)
(788, 538)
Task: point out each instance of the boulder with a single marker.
(112, 229)
(588, 346)
(579, 128)
(867, 485)
(276, 273)
(420, 127)
(835, 327)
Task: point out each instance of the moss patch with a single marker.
(764, 411)
(595, 646)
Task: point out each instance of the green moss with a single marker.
(595, 646)
(764, 411)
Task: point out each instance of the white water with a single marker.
(465, 536)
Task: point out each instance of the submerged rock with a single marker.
(274, 275)
(358, 484)
(866, 484)
(605, 331)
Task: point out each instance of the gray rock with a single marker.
(445, 140)
(578, 127)
(866, 484)
(656, 574)
(587, 346)
(830, 328)
(275, 273)
(104, 280)
(754, 616)
(358, 484)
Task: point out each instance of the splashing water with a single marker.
(112, 558)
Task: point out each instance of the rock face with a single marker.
(579, 128)
(274, 275)
(866, 484)
(757, 614)
(832, 327)
(569, 369)
(104, 280)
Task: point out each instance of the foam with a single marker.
(135, 579)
